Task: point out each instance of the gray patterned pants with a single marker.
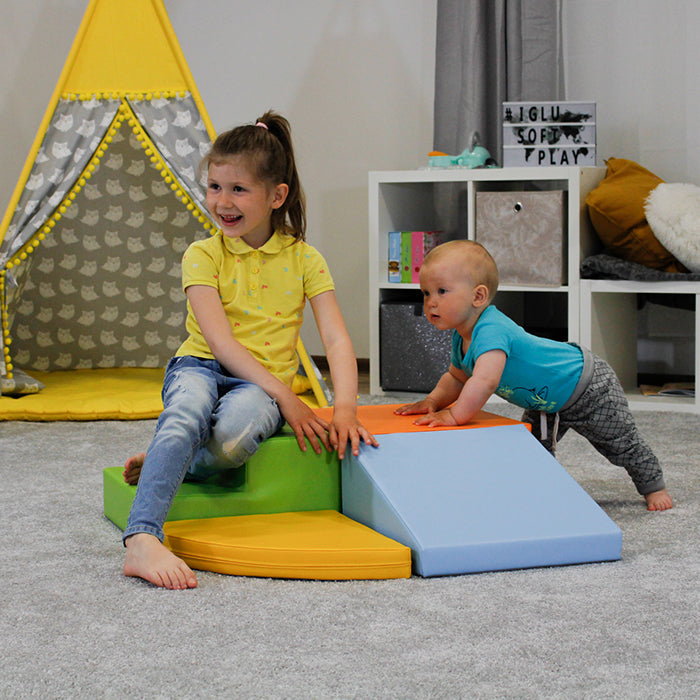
(602, 415)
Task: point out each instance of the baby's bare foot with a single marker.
(659, 500)
(132, 468)
(150, 560)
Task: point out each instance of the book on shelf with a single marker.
(406, 252)
(669, 389)
(394, 256)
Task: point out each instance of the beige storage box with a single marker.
(524, 232)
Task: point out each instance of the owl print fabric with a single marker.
(103, 288)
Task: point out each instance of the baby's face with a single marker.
(448, 295)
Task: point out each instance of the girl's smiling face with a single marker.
(240, 203)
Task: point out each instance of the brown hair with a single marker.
(268, 146)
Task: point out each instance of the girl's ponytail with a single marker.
(294, 207)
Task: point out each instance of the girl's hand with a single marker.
(425, 405)
(435, 419)
(346, 428)
(305, 423)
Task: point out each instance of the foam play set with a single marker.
(92, 238)
(448, 500)
(91, 310)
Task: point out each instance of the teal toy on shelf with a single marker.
(476, 156)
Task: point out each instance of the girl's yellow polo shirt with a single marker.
(263, 291)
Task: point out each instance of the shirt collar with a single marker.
(274, 244)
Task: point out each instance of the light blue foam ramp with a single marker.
(475, 500)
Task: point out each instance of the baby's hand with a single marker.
(422, 406)
(435, 419)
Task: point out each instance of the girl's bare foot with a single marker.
(150, 560)
(659, 500)
(132, 468)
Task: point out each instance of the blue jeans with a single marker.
(210, 422)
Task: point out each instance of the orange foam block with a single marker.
(381, 420)
(303, 545)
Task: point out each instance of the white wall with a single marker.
(639, 60)
(355, 78)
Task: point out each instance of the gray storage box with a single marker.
(524, 232)
(414, 354)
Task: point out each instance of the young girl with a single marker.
(228, 387)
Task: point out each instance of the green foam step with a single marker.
(278, 478)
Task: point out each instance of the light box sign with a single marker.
(549, 133)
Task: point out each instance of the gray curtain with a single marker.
(488, 52)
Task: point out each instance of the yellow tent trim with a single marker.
(125, 113)
(309, 368)
(113, 56)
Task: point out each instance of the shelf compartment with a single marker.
(609, 327)
(545, 315)
(414, 354)
(430, 199)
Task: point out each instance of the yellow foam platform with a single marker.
(124, 393)
(127, 393)
(307, 545)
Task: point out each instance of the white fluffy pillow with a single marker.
(673, 212)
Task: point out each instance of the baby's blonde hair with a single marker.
(476, 262)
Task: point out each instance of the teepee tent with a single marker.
(108, 200)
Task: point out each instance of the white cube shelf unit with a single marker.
(445, 199)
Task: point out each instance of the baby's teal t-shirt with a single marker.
(540, 374)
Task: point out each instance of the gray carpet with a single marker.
(72, 626)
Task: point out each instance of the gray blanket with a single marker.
(608, 267)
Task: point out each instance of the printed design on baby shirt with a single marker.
(531, 397)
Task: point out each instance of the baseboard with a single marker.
(322, 363)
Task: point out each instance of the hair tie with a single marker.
(262, 124)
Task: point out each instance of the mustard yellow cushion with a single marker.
(322, 544)
(616, 208)
(301, 384)
(127, 393)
